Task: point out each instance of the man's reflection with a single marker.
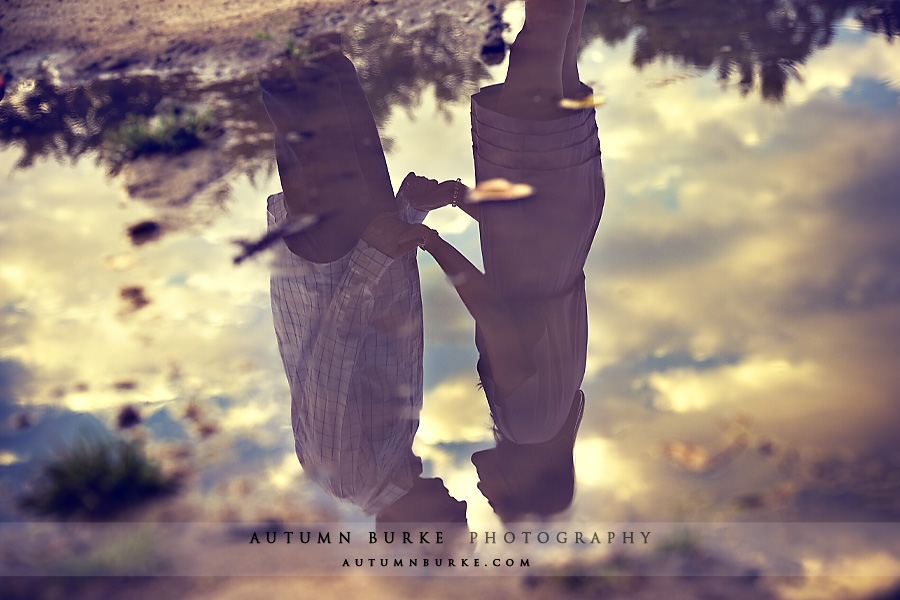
(529, 305)
(345, 295)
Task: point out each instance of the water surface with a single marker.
(743, 286)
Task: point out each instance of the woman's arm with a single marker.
(427, 194)
(466, 206)
(509, 356)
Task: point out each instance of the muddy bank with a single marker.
(78, 41)
(103, 81)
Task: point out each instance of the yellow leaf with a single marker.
(589, 101)
(499, 189)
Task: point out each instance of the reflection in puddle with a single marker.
(742, 288)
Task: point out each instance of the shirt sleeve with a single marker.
(410, 213)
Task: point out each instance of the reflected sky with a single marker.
(743, 295)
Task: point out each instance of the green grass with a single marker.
(96, 480)
(169, 133)
(291, 46)
(293, 49)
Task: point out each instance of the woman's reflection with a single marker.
(529, 305)
(345, 294)
(531, 479)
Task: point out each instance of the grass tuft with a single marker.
(97, 479)
(168, 133)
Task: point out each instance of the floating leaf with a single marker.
(119, 262)
(128, 417)
(700, 459)
(589, 101)
(134, 297)
(692, 457)
(499, 189)
(143, 232)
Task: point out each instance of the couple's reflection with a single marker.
(346, 297)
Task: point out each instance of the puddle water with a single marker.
(742, 289)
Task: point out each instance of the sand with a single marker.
(79, 40)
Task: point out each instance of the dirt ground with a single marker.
(79, 40)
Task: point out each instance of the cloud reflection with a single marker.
(727, 249)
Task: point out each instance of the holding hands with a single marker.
(389, 234)
(394, 237)
(428, 194)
